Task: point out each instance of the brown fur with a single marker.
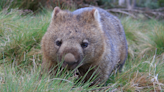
(103, 32)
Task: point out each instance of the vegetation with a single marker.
(20, 56)
(36, 5)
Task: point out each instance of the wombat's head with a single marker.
(74, 38)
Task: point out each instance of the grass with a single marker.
(21, 35)
(20, 57)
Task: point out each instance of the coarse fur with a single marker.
(85, 38)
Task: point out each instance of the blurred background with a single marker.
(148, 8)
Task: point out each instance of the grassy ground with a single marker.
(20, 56)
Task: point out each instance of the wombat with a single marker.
(85, 38)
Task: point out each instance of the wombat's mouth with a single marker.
(71, 65)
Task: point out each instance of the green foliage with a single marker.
(4, 4)
(21, 4)
(107, 3)
(36, 5)
(151, 4)
(161, 3)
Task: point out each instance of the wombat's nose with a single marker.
(70, 59)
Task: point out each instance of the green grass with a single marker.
(20, 57)
(21, 36)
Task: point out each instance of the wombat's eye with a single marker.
(84, 44)
(58, 42)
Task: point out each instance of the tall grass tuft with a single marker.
(153, 39)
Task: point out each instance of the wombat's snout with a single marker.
(70, 60)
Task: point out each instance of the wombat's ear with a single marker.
(96, 15)
(91, 16)
(55, 12)
(58, 15)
